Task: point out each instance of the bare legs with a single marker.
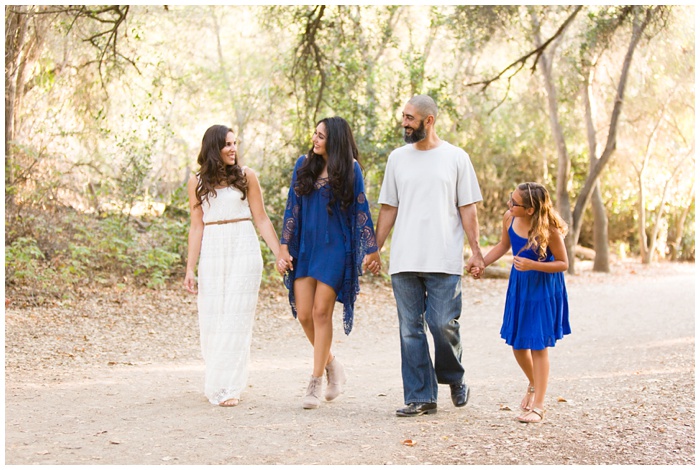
(535, 365)
(315, 301)
(524, 360)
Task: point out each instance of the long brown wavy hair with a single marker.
(544, 218)
(212, 170)
(342, 152)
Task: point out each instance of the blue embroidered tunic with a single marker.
(328, 247)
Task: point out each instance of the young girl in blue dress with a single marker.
(327, 236)
(537, 310)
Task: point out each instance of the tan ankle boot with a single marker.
(313, 393)
(336, 379)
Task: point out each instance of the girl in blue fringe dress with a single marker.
(537, 311)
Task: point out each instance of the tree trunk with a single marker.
(21, 49)
(638, 28)
(646, 246)
(601, 263)
(655, 229)
(15, 32)
(660, 214)
(239, 116)
(564, 166)
(680, 223)
(600, 218)
(642, 218)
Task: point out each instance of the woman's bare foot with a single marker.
(229, 402)
(526, 403)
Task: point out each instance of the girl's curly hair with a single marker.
(544, 218)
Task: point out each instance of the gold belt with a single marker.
(229, 221)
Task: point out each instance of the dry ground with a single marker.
(116, 378)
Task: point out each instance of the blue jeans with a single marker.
(435, 299)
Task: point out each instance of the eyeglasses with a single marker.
(513, 203)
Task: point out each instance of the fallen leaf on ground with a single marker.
(409, 442)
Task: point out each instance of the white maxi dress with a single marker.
(230, 270)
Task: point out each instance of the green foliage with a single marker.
(106, 140)
(161, 251)
(156, 264)
(685, 249)
(81, 249)
(27, 265)
(477, 24)
(134, 169)
(270, 274)
(21, 258)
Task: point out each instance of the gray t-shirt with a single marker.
(428, 186)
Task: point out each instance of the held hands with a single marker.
(475, 265)
(190, 282)
(284, 262)
(372, 262)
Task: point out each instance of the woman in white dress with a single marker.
(225, 201)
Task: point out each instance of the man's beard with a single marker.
(417, 135)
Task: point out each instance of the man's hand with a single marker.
(372, 262)
(475, 265)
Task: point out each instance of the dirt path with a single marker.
(116, 379)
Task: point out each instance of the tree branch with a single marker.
(536, 52)
(308, 49)
(637, 29)
(115, 16)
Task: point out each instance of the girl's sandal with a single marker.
(229, 402)
(526, 403)
(529, 418)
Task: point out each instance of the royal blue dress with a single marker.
(537, 306)
(328, 247)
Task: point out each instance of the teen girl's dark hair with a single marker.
(342, 152)
(212, 170)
